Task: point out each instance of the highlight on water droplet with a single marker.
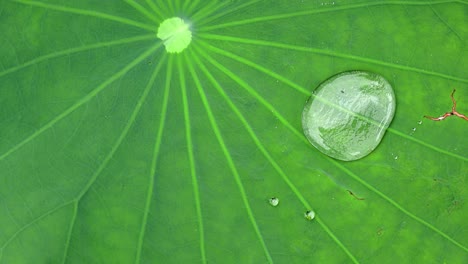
(348, 114)
(175, 34)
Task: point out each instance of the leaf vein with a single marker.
(215, 16)
(80, 102)
(323, 10)
(341, 167)
(157, 145)
(190, 153)
(116, 145)
(227, 155)
(34, 221)
(143, 11)
(305, 92)
(76, 50)
(329, 53)
(155, 9)
(84, 12)
(265, 152)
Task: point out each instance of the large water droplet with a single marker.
(348, 114)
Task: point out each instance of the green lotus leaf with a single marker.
(115, 148)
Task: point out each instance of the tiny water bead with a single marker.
(348, 114)
(309, 215)
(273, 201)
(175, 34)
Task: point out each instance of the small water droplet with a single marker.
(348, 126)
(274, 201)
(396, 157)
(309, 215)
(420, 122)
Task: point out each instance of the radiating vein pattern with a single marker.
(328, 53)
(143, 11)
(191, 156)
(81, 102)
(324, 10)
(341, 167)
(114, 148)
(218, 15)
(156, 10)
(171, 157)
(91, 13)
(267, 155)
(157, 146)
(228, 157)
(305, 92)
(71, 51)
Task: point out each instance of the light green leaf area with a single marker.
(113, 150)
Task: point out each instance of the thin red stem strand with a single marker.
(453, 112)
